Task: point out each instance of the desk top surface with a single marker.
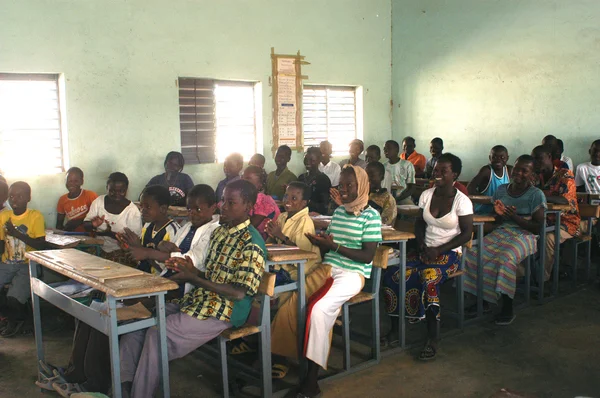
(109, 277)
(486, 200)
(390, 235)
(561, 207)
(291, 254)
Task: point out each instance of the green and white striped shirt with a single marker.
(351, 231)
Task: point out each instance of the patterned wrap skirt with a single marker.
(423, 281)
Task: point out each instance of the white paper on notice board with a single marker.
(286, 66)
(286, 89)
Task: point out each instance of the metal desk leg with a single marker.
(402, 295)
(113, 339)
(301, 316)
(541, 264)
(37, 320)
(556, 262)
(162, 343)
(479, 270)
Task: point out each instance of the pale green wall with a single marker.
(121, 58)
(484, 72)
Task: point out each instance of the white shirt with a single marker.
(130, 218)
(401, 174)
(588, 175)
(331, 170)
(568, 161)
(442, 230)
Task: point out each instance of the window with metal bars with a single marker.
(329, 113)
(31, 136)
(217, 118)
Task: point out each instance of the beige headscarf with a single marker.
(361, 201)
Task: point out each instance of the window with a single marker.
(216, 118)
(331, 113)
(31, 137)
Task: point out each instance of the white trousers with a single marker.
(345, 285)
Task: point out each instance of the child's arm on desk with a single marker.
(36, 243)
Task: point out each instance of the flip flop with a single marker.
(46, 382)
(241, 348)
(279, 371)
(504, 320)
(66, 389)
(48, 370)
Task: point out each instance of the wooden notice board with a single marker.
(287, 100)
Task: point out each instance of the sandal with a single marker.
(241, 348)
(12, 329)
(279, 371)
(49, 370)
(505, 320)
(428, 353)
(46, 382)
(66, 389)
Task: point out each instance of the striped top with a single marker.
(351, 231)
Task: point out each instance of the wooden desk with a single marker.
(589, 211)
(484, 200)
(173, 211)
(88, 269)
(558, 207)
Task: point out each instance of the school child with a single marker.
(329, 168)
(373, 154)
(587, 178)
(356, 148)
(408, 153)
(73, 206)
(436, 149)
(277, 180)
(21, 230)
(402, 173)
(379, 198)
(173, 178)
(319, 182)
(257, 160)
(232, 167)
(265, 208)
(490, 177)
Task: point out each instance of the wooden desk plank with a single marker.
(290, 255)
(390, 234)
(71, 262)
(586, 211)
(561, 207)
(484, 200)
(408, 210)
(483, 218)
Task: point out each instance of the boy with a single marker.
(587, 177)
(379, 198)
(73, 206)
(174, 178)
(278, 179)
(401, 172)
(257, 160)
(21, 230)
(551, 142)
(409, 153)
(221, 298)
(317, 181)
(329, 168)
(373, 154)
(232, 167)
(356, 148)
(436, 148)
(490, 177)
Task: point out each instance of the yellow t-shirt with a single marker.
(31, 223)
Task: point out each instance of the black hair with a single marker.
(525, 159)
(393, 143)
(236, 157)
(159, 193)
(378, 167)
(542, 149)
(285, 148)
(455, 162)
(410, 139)
(247, 190)
(306, 190)
(3, 188)
(76, 170)
(22, 184)
(117, 176)
(438, 140)
(359, 143)
(176, 154)
(348, 170)
(313, 150)
(549, 137)
(561, 145)
(259, 172)
(597, 142)
(375, 148)
(499, 148)
(203, 192)
(258, 156)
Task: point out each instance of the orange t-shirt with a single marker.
(418, 160)
(75, 209)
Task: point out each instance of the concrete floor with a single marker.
(549, 351)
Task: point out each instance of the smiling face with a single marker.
(348, 187)
(18, 197)
(117, 191)
(522, 173)
(498, 160)
(595, 154)
(443, 174)
(326, 151)
(74, 182)
(435, 149)
(311, 161)
(293, 200)
(199, 212)
(234, 210)
(281, 158)
(151, 210)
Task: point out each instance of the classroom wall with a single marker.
(121, 60)
(480, 73)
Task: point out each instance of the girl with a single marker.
(178, 183)
(265, 208)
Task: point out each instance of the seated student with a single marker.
(222, 296)
(564, 158)
(89, 365)
(291, 228)
(232, 167)
(490, 177)
(409, 153)
(257, 160)
(379, 198)
(3, 194)
(436, 148)
(317, 181)
(402, 174)
(444, 225)
(21, 230)
(329, 168)
(73, 206)
(348, 248)
(372, 154)
(356, 148)
(519, 216)
(112, 213)
(551, 142)
(173, 178)
(558, 184)
(277, 180)
(587, 177)
(265, 208)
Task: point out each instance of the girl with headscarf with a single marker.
(178, 183)
(347, 249)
